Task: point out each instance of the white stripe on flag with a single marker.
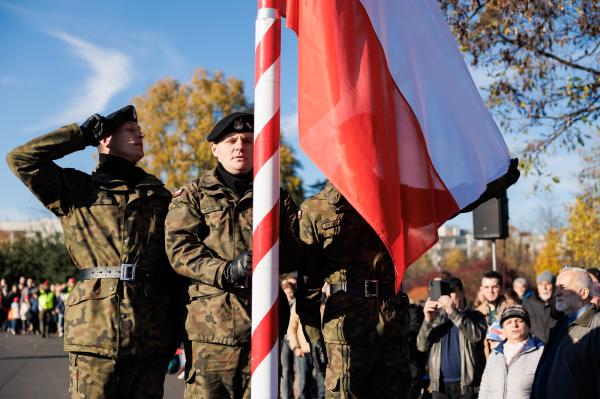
(463, 141)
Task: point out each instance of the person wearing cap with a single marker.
(570, 365)
(540, 307)
(118, 331)
(209, 241)
(453, 334)
(511, 365)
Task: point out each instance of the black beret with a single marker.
(236, 122)
(125, 114)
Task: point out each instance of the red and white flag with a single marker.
(388, 111)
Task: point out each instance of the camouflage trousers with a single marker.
(94, 377)
(217, 371)
(366, 372)
(367, 347)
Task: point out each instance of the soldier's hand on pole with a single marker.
(239, 269)
(94, 129)
(319, 354)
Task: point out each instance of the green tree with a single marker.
(550, 257)
(38, 257)
(176, 118)
(542, 58)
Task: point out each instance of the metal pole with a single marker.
(494, 267)
(265, 217)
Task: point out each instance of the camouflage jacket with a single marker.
(105, 223)
(207, 226)
(346, 249)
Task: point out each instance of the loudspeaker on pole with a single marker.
(490, 219)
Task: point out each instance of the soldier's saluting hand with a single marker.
(120, 325)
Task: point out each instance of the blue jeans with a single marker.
(286, 387)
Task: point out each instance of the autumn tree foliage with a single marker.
(542, 59)
(176, 118)
(551, 256)
(583, 234)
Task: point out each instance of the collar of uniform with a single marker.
(209, 180)
(211, 185)
(332, 194)
(109, 182)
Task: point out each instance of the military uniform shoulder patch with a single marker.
(177, 193)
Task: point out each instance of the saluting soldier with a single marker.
(364, 323)
(209, 240)
(119, 329)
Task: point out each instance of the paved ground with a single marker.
(32, 368)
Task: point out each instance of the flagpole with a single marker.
(265, 220)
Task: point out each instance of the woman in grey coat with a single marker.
(511, 366)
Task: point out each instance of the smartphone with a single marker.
(437, 288)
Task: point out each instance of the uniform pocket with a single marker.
(349, 320)
(90, 315)
(209, 316)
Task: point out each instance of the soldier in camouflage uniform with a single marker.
(209, 240)
(365, 323)
(119, 330)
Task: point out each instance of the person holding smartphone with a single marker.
(453, 334)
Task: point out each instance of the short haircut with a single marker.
(594, 272)
(521, 281)
(492, 274)
(454, 282)
(582, 278)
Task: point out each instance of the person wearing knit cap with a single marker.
(540, 306)
(511, 365)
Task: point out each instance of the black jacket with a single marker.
(543, 316)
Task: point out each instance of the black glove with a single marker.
(237, 270)
(93, 129)
(319, 354)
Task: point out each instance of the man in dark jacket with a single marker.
(540, 307)
(119, 329)
(570, 364)
(453, 335)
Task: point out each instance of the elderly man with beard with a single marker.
(540, 307)
(570, 365)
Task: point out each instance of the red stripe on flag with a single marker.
(359, 130)
(265, 235)
(263, 59)
(268, 327)
(266, 145)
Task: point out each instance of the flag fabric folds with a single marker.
(388, 111)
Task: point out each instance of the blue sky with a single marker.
(65, 60)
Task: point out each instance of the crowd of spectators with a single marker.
(513, 343)
(30, 307)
